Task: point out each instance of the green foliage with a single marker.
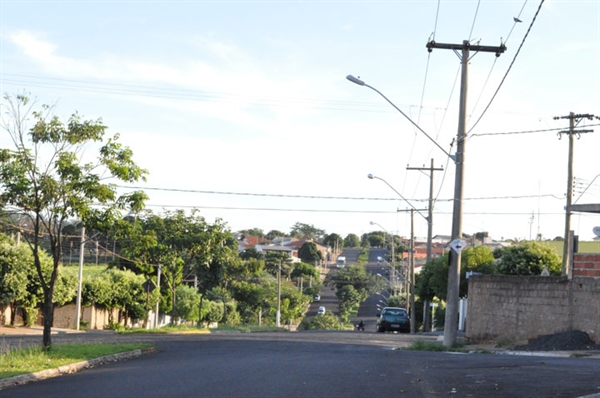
(300, 230)
(274, 234)
(333, 240)
(327, 321)
(50, 189)
(352, 240)
(274, 260)
(187, 303)
(397, 301)
(528, 258)
(211, 311)
(304, 270)
(353, 285)
(309, 253)
(251, 253)
(432, 281)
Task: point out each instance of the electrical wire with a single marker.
(509, 68)
(474, 19)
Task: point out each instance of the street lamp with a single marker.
(452, 299)
(361, 83)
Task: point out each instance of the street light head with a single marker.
(371, 222)
(355, 80)
(371, 176)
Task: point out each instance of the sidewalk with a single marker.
(33, 330)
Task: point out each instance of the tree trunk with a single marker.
(48, 320)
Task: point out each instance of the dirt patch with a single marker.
(565, 341)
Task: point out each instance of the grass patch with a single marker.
(15, 361)
(433, 346)
(180, 329)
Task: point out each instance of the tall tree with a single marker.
(334, 241)
(300, 230)
(528, 258)
(44, 176)
(309, 253)
(352, 240)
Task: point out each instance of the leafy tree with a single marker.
(309, 253)
(327, 321)
(253, 232)
(274, 260)
(363, 285)
(218, 252)
(251, 253)
(304, 270)
(258, 293)
(272, 234)
(432, 281)
(352, 240)
(334, 240)
(49, 189)
(187, 303)
(300, 230)
(528, 258)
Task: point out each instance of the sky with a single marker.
(242, 109)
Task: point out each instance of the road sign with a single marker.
(457, 245)
(597, 231)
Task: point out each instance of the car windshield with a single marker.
(394, 312)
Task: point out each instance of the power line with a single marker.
(509, 68)
(320, 196)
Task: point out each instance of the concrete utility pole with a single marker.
(412, 271)
(568, 243)
(430, 210)
(451, 322)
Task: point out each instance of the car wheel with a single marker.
(380, 330)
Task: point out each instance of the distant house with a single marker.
(297, 244)
(275, 248)
(246, 241)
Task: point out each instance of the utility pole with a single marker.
(568, 243)
(278, 313)
(451, 322)
(430, 210)
(412, 271)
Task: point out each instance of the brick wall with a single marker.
(586, 264)
(524, 307)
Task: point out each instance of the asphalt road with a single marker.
(312, 364)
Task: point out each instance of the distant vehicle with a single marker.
(393, 319)
(321, 311)
(340, 262)
(317, 297)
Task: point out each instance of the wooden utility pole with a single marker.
(430, 210)
(568, 243)
(451, 322)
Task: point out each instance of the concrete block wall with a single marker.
(519, 308)
(586, 264)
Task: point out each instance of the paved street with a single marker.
(311, 364)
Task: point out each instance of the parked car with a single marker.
(321, 311)
(393, 319)
(317, 297)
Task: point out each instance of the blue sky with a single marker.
(250, 97)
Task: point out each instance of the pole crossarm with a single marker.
(452, 299)
(466, 45)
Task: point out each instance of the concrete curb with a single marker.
(70, 368)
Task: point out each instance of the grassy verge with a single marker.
(15, 361)
(199, 330)
(433, 346)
